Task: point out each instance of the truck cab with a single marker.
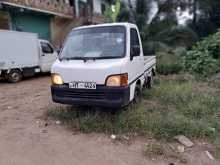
(101, 65)
(47, 55)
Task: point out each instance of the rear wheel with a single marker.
(150, 80)
(137, 94)
(14, 76)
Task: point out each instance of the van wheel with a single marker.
(137, 94)
(14, 76)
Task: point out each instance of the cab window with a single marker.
(46, 48)
(134, 39)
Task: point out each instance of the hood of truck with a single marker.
(90, 71)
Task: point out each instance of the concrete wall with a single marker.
(60, 28)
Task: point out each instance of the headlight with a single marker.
(56, 79)
(117, 80)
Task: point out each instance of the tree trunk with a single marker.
(132, 19)
(195, 8)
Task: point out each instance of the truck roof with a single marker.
(18, 32)
(126, 24)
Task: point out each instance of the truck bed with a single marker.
(149, 62)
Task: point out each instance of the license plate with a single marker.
(82, 85)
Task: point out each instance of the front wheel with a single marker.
(14, 76)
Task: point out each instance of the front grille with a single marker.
(83, 94)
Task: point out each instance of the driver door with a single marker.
(136, 63)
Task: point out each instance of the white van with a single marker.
(23, 54)
(102, 65)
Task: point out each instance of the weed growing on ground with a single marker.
(175, 105)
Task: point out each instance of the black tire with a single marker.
(153, 73)
(14, 76)
(137, 94)
(149, 82)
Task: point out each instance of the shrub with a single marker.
(200, 62)
(168, 64)
(177, 36)
(180, 51)
(152, 47)
(204, 58)
(210, 44)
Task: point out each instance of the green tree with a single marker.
(141, 13)
(125, 15)
(162, 31)
(112, 12)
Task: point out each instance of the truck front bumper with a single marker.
(103, 96)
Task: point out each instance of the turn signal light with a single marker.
(117, 80)
(56, 79)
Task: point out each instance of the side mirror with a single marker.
(135, 51)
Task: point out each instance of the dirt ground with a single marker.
(24, 141)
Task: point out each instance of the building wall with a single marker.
(60, 28)
(47, 26)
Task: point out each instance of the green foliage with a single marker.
(180, 51)
(162, 30)
(116, 10)
(141, 13)
(108, 15)
(205, 56)
(141, 7)
(177, 36)
(211, 44)
(203, 27)
(111, 15)
(124, 14)
(200, 62)
(151, 48)
(168, 63)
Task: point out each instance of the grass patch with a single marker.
(175, 105)
(168, 63)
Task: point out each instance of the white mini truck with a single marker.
(102, 65)
(24, 54)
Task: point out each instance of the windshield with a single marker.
(95, 43)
